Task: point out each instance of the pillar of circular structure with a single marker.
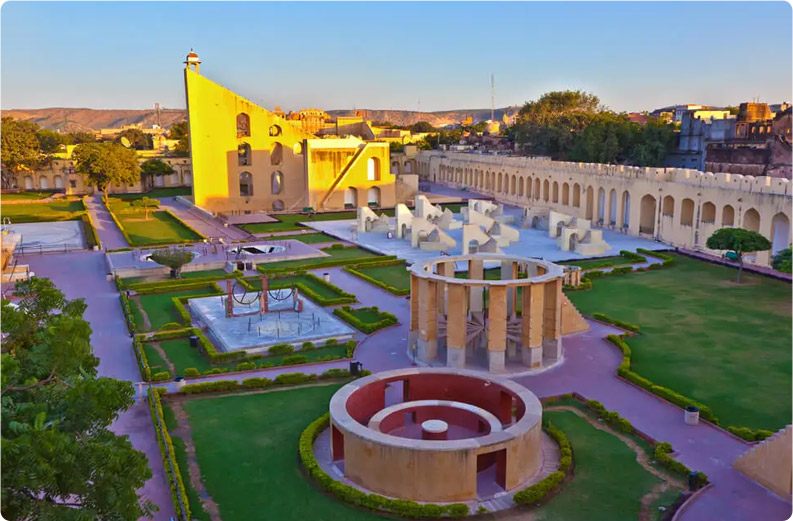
(404, 433)
(434, 430)
(476, 321)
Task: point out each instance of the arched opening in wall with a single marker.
(43, 183)
(243, 125)
(58, 182)
(555, 198)
(573, 241)
(276, 154)
(687, 212)
(559, 228)
(709, 213)
(28, 182)
(535, 222)
(350, 197)
(647, 214)
(409, 167)
(297, 148)
(394, 167)
(546, 186)
(246, 184)
(601, 205)
(668, 208)
(188, 177)
(590, 203)
(243, 154)
(159, 181)
(576, 195)
(727, 216)
(528, 187)
(500, 186)
(276, 182)
(780, 233)
(751, 220)
(275, 130)
(278, 205)
(373, 170)
(512, 186)
(404, 231)
(373, 196)
(565, 194)
(626, 209)
(613, 207)
(473, 246)
(174, 179)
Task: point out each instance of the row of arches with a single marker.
(244, 127)
(351, 197)
(44, 183)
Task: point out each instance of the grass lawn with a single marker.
(160, 309)
(289, 222)
(185, 275)
(341, 254)
(25, 196)
(704, 336)
(246, 446)
(156, 362)
(395, 276)
(306, 238)
(42, 212)
(160, 228)
(601, 262)
(287, 282)
(158, 192)
(182, 356)
(608, 483)
(197, 512)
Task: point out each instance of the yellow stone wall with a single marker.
(315, 172)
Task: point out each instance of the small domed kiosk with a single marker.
(436, 434)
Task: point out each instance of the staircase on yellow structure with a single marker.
(341, 175)
(572, 321)
(769, 462)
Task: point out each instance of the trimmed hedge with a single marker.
(92, 237)
(635, 257)
(668, 260)
(342, 298)
(346, 313)
(615, 321)
(748, 434)
(153, 288)
(261, 383)
(624, 370)
(611, 417)
(118, 225)
(125, 306)
(175, 283)
(349, 494)
(168, 455)
(281, 349)
(535, 493)
(353, 270)
(326, 262)
(200, 235)
(161, 376)
(143, 362)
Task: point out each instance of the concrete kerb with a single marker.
(689, 500)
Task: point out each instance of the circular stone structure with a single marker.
(487, 430)
(475, 321)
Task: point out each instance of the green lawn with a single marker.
(25, 196)
(185, 275)
(246, 446)
(197, 512)
(600, 262)
(707, 338)
(158, 192)
(156, 362)
(42, 212)
(286, 282)
(182, 356)
(396, 276)
(160, 228)
(306, 238)
(608, 483)
(160, 309)
(352, 252)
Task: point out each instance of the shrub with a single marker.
(308, 346)
(171, 326)
(661, 455)
(125, 305)
(191, 371)
(143, 362)
(335, 373)
(256, 383)
(351, 345)
(281, 349)
(668, 260)
(617, 322)
(635, 257)
(161, 376)
(209, 387)
(748, 434)
(331, 342)
(245, 366)
(535, 493)
(294, 378)
(294, 360)
(347, 314)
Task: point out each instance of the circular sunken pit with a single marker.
(436, 434)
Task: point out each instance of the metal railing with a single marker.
(49, 248)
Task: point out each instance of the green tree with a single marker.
(138, 139)
(49, 141)
(396, 147)
(104, 163)
(155, 167)
(179, 131)
(60, 459)
(77, 138)
(782, 261)
(19, 148)
(739, 241)
(422, 126)
(174, 258)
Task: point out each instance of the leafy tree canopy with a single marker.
(49, 141)
(782, 261)
(155, 167)
(179, 131)
(104, 163)
(422, 126)
(138, 139)
(174, 258)
(20, 146)
(739, 241)
(60, 459)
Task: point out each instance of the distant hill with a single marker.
(74, 120)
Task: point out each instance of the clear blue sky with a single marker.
(634, 55)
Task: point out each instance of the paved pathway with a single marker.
(206, 225)
(109, 234)
(83, 275)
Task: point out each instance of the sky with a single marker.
(395, 55)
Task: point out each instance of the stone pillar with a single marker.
(531, 325)
(497, 328)
(428, 320)
(434, 430)
(456, 322)
(509, 270)
(552, 320)
(445, 269)
(476, 271)
(264, 304)
(229, 299)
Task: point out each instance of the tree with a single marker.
(60, 459)
(19, 148)
(138, 139)
(77, 138)
(179, 131)
(782, 261)
(104, 163)
(173, 258)
(422, 126)
(155, 167)
(739, 241)
(396, 147)
(49, 141)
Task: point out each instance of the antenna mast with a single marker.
(492, 97)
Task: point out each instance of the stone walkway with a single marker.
(109, 234)
(204, 224)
